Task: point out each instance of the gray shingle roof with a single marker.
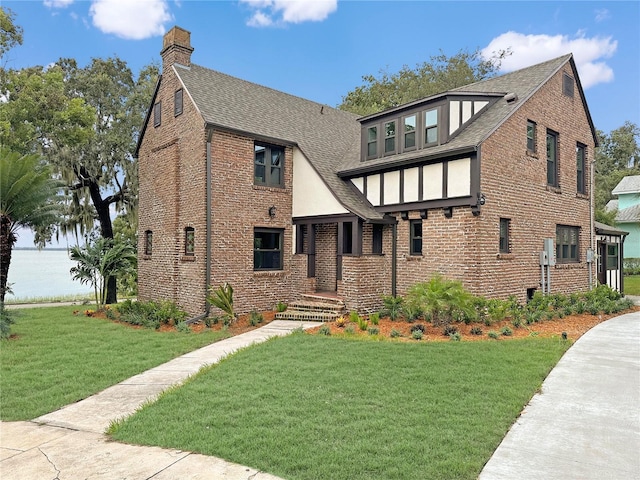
(629, 184)
(324, 134)
(524, 83)
(330, 138)
(628, 215)
(605, 229)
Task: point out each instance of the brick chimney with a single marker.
(176, 48)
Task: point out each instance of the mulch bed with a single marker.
(574, 326)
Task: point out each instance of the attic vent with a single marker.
(511, 97)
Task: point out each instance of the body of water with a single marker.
(43, 273)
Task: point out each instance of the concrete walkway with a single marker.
(69, 444)
(585, 423)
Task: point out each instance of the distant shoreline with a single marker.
(50, 249)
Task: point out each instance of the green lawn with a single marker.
(632, 285)
(313, 407)
(59, 358)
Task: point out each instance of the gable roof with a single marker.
(324, 134)
(629, 184)
(523, 83)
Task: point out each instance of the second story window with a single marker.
(531, 136)
(552, 158)
(372, 141)
(410, 132)
(431, 127)
(189, 241)
(580, 175)
(268, 165)
(390, 137)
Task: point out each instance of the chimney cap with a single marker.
(177, 36)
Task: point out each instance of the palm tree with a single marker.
(97, 260)
(29, 197)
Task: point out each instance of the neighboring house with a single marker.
(610, 252)
(281, 196)
(628, 216)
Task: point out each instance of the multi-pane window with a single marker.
(431, 126)
(157, 114)
(504, 235)
(148, 242)
(390, 137)
(177, 102)
(267, 249)
(612, 256)
(189, 241)
(410, 131)
(531, 136)
(376, 243)
(415, 237)
(552, 158)
(580, 173)
(372, 141)
(567, 244)
(268, 165)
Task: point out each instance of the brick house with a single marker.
(281, 196)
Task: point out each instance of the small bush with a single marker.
(353, 316)
(151, 314)
(392, 306)
(412, 311)
(455, 337)
(222, 297)
(255, 318)
(324, 330)
(373, 330)
(281, 307)
(374, 318)
(516, 322)
(362, 323)
(493, 334)
(341, 321)
(506, 331)
(417, 334)
(449, 330)
(350, 329)
(6, 320)
(394, 333)
(475, 331)
(419, 327)
(182, 327)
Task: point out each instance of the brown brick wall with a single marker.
(326, 251)
(515, 185)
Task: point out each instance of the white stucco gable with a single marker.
(311, 196)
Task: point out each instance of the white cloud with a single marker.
(272, 12)
(129, 19)
(57, 3)
(602, 14)
(588, 53)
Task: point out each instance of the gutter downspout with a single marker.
(207, 272)
(394, 257)
(592, 234)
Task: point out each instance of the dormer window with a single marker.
(390, 137)
(372, 142)
(410, 132)
(431, 126)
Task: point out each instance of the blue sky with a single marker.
(320, 49)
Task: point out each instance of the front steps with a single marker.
(316, 308)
